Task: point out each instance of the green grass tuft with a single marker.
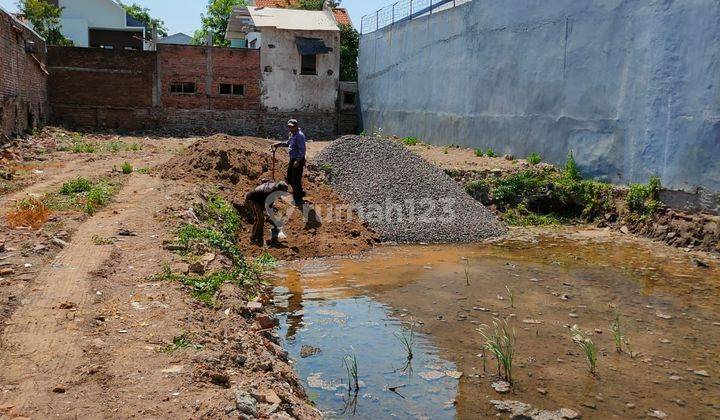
(534, 158)
(587, 346)
(410, 141)
(127, 168)
(500, 341)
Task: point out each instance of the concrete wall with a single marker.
(23, 81)
(284, 88)
(632, 87)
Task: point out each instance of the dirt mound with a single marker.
(237, 164)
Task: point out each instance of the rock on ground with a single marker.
(401, 196)
(518, 409)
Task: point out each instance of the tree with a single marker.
(315, 4)
(142, 15)
(216, 20)
(45, 19)
(349, 47)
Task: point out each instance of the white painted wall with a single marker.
(76, 30)
(80, 15)
(284, 88)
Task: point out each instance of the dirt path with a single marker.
(42, 342)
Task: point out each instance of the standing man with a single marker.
(296, 144)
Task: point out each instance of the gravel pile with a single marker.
(402, 197)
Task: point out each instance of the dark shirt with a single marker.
(261, 193)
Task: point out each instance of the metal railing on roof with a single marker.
(404, 10)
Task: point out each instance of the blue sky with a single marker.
(184, 15)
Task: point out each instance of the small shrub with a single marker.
(479, 153)
(477, 187)
(127, 168)
(445, 150)
(76, 186)
(521, 216)
(29, 212)
(534, 159)
(571, 170)
(410, 141)
(491, 153)
(643, 199)
(143, 170)
(97, 197)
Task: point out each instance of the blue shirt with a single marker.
(297, 145)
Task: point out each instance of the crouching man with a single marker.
(256, 200)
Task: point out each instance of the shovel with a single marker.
(272, 166)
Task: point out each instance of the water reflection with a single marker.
(339, 324)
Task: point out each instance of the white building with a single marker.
(299, 55)
(100, 23)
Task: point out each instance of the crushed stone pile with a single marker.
(402, 197)
(235, 165)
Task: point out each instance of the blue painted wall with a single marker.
(632, 87)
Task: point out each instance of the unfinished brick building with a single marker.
(178, 88)
(23, 78)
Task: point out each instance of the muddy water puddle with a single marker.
(670, 318)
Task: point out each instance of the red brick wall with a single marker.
(23, 83)
(190, 64)
(98, 77)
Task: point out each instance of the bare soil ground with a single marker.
(236, 165)
(86, 328)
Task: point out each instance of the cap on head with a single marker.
(292, 123)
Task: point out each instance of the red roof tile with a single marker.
(342, 17)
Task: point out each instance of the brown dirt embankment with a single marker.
(237, 164)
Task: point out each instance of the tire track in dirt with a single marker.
(41, 349)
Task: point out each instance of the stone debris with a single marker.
(657, 414)
(307, 351)
(501, 387)
(521, 410)
(245, 403)
(431, 375)
(401, 196)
